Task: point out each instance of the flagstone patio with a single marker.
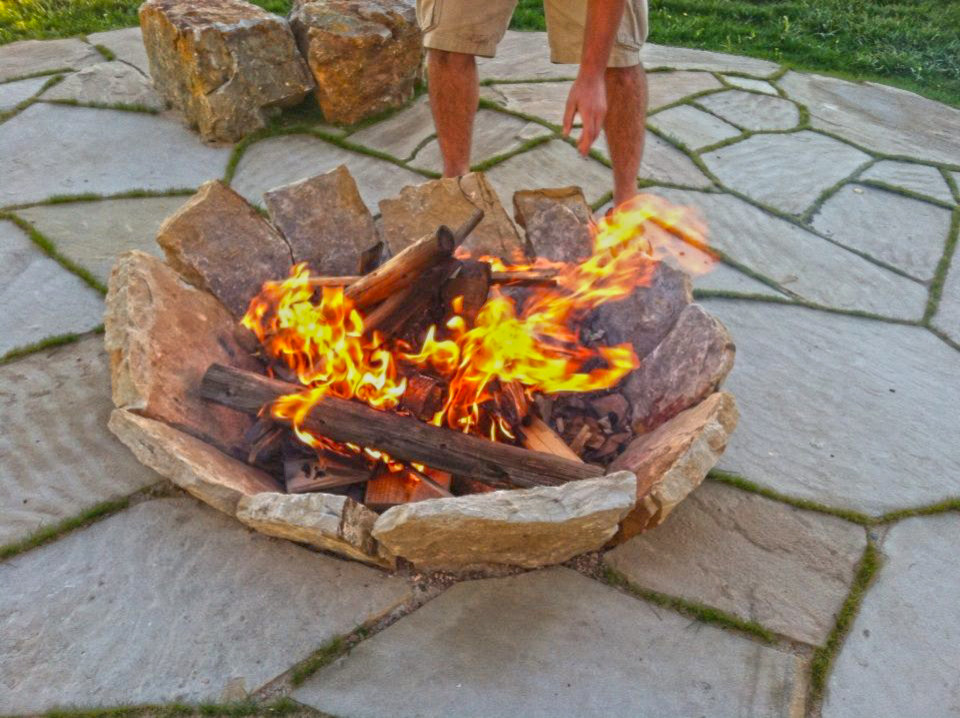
(836, 209)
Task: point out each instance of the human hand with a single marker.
(588, 99)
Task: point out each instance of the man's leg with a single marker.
(454, 96)
(625, 126)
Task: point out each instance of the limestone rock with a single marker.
(556, 222)
(107, 83)
(193, 465)
(420, 209)
(324, 220)
(365, 55)
(227, 64)
(326, 521)
(691, 362)
(524, 527)
(673, 460)
(221, 244)
(28, 57)
(527, 203)
(161, 336)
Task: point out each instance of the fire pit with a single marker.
(442, 406)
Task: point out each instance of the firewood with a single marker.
(373, 257)
(424, 395)
(580, 440)
(537, 435)
(525, 278)
(381, 314)
(611, 404)
(404, 438)
(388, 488)
(414, 306)
(319, 282)
(266, 446)
(321, 473)
(472, 284)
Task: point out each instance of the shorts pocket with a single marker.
(629, 34)
(428, 14)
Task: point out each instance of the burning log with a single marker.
(471, 281)
(414, 305)
(423, 397)
(319, 282)
(537, 435)
(404, 438)
(390, 489)
(321, 473)
(526, 277)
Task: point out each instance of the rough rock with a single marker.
(107, 83)
(922, 179)
(13, 93)
(691, 362)
(193, 465)
(751, 111)
(523, 527)
(529, 202)
(693, 128)
(556, 222)
(365, 55)
(673, 459)
(221, 244)
(420, 209)
(325, 521)
(162, 335)
(29, 57)
(126, 44)
(227, 64)
(324, 220)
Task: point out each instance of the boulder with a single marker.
(226, 64)
(219, 243)
(365, 55)
(673, 460)
(193, 465)
(324, 221)
(161, 335)
(528, 202)
(523, 527)
(325, 521)
(558, 232)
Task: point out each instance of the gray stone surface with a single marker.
(546, 100)
(108, 83)
(28, 57)
(662, 162)
(883, 118)
(724, 278)
(281, 160)
(761, 560)
(903, 650)
(922, 179)
(747, 83)
(694, 128)
(751, 111)
(13, 93)
(39, 297)
(947, 318)
(523, 56)
(56, 456)
(851, 412)
(685, 58)
(92, 234)
(171, 601)
(800, 261)
(553, 164)
(554, 643)
(54, 149)
(401, 134)
(907, 233)
(787, 172)
(665, 88)
(126, 44)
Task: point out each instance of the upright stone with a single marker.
(219, 243)
(557, 223)
(365, 55)
(324, 220)
(227, 64)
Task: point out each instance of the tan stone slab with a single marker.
(751, 111)
(126, 44)
(108, 83)
(685, 58)
(922, 179)
(666, 88)
(27, 57)
(691, 127)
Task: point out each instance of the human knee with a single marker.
(453, 61)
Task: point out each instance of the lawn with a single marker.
(914, 44)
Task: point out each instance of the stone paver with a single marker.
(39, 297)
(108, 83)
(846, 411)
(761, 560)
(553, 643)
(904, 232)
(126, 44)
(546, 100)
(752, 111)
(92, 234)
(665, 88)
(885, 119)
(787, 172)
(947, 318)
(800, 261)
(692, 127)
(281, 160)
(401, 134)
(722, 277)
(28, 57)
(685, 58)
(56, 456)
(747, 83)
(13, 93)
(171, 601)
(54, 149)
(662, 162)
(921, 179)
(903, 650)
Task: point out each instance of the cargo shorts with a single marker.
(475, 27)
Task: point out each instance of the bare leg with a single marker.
(454, 95)
(625, 126)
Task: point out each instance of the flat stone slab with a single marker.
(662, 162)
(554, 643)
(175, 586)
(692, 127)
(92, 234)
(826, 431)
(282, 160)
(884, 119)
(28, 57)
(666, 88)
(54, 149)
(751, 111)
(800, 261)
(684, 58)
(546, 100)
(523, 56)
(126, 44)
(49, 475)
(922, 179)
(947, 318)
(108, 83)
(747, 83)
(904, 232)
(787, 172)
(39, 297)
(724, 278)
(902, 652)
(13, 93)
(552, 164)
(400, 134)
(761, 560)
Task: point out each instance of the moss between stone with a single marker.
(47, 343)
(943, 267)
(97, 197)
(281, 707)
(323, 656)
(504, 156)
(121, 106)
(21, 106)
(107, 53)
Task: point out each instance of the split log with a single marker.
(536, 435)
(525, 277)
(423, 397)
(472, 283)
(373, 257)
(404, 438)
(319, 282)
(322, 473)
(393, 488)
(413, 306)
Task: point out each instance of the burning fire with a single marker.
(493, 367)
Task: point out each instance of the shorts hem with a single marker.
(619, 57)
(434, 41)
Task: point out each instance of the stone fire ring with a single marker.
(166, 322)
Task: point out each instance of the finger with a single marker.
(568, 114)
(589, 134)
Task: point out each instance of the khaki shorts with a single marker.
(475, 27)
